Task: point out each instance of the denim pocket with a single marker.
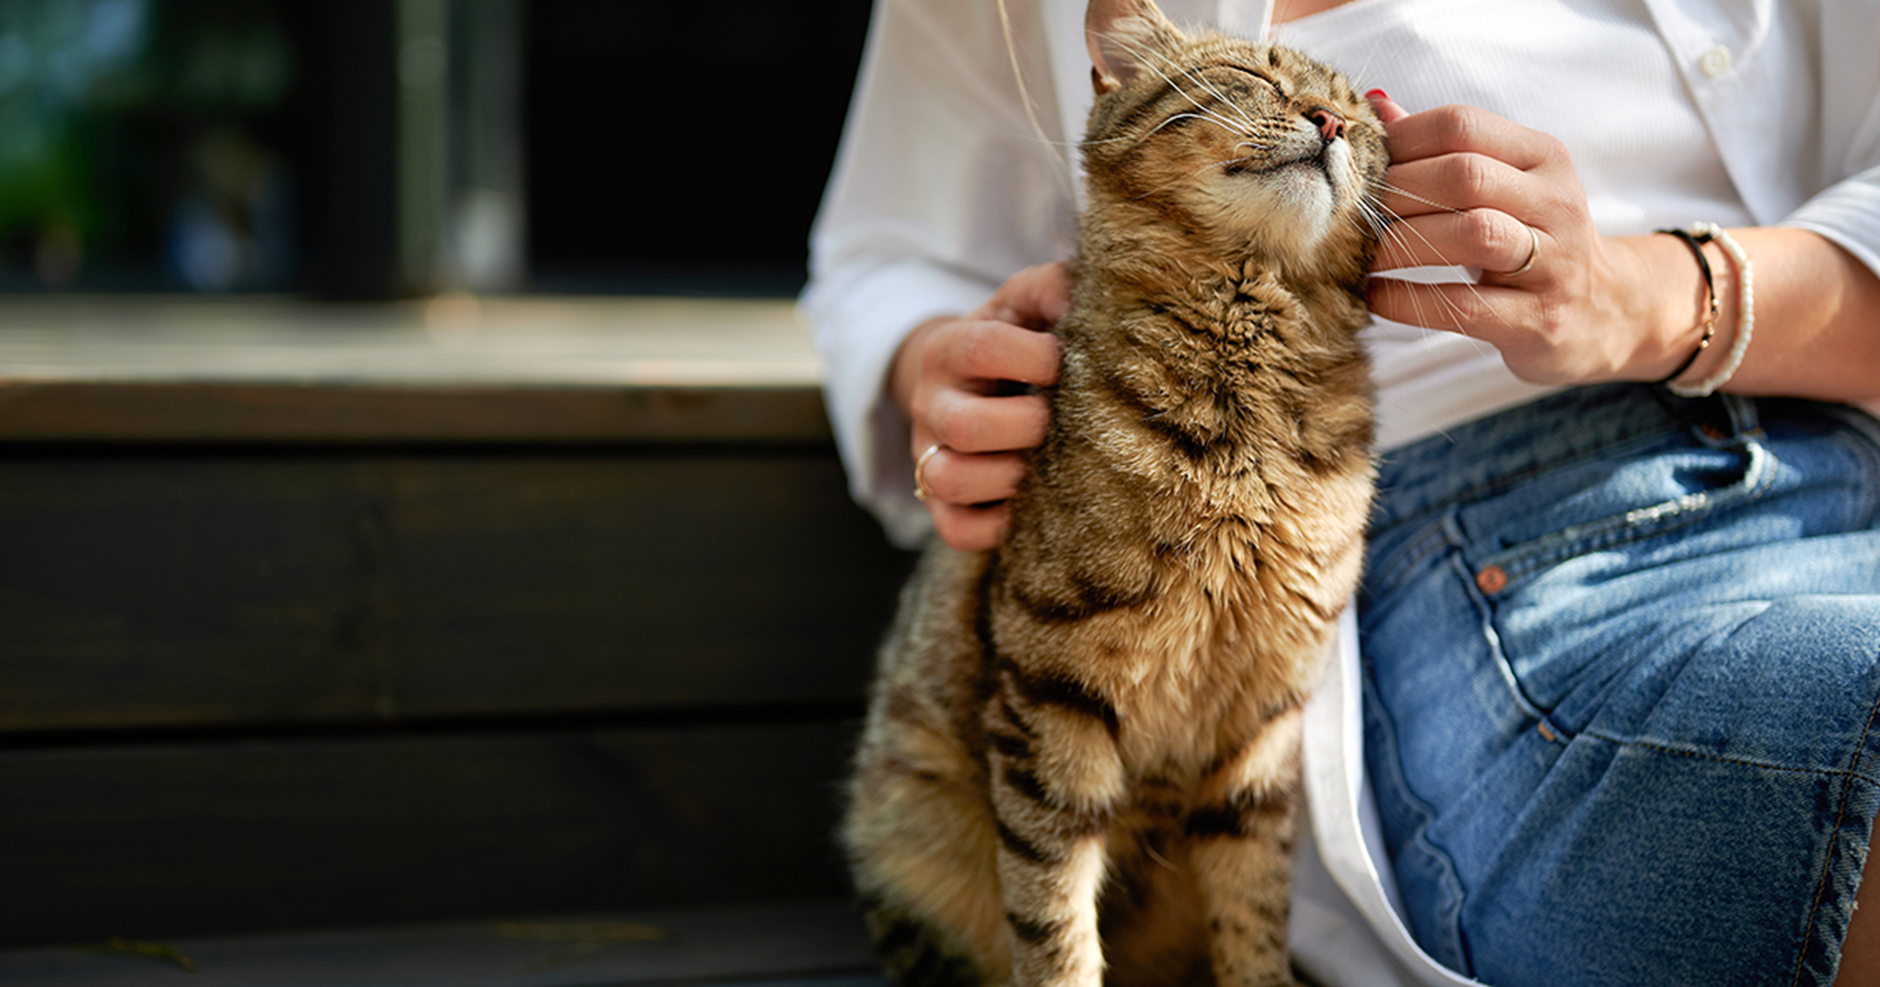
(1566, 567)
(1608, 503)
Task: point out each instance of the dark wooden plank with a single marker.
(186, 411)
(818, 941)
(813, 943)
(146, 591)
(247, 587)
(163, 840)
(593, 584)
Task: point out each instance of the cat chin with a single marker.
(1284, 211)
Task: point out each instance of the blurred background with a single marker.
(366, 149)
(378, 550)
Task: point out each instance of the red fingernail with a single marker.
(1377, 94)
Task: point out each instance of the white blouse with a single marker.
(1741, 112)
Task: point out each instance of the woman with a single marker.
(1621, 641)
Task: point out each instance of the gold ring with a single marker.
(1534, 252)
(920, 468)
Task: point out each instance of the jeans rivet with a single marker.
(1711, 431)
(1491, 579)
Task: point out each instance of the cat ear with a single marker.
(1122, 35)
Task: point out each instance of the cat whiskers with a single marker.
(1384, 224)
(1364, 69)
(1406, 193)
(1389, 228)
(1384, 185)
(1158, 858)
(1195, 116)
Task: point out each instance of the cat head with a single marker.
(1251, 148)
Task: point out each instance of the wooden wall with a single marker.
(315, 683)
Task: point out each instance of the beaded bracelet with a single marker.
(1745, 312)
(1710, 302)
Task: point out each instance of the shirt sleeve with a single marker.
(943, 188)
(1847, 210)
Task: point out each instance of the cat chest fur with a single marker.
(1193, 524)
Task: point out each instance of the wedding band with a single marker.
(1534, 252)
(920, 468)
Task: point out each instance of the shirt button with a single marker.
(1491, 579)
(1715, 61)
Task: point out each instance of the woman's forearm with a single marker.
(1817, 316)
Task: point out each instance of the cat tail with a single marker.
(913, 953)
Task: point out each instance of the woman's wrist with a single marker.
(1671, 305)
(1735, 289)
(1707, 307)
(1813, 328)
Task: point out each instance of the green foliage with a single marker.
(103, 102)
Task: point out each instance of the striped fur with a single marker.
(1080, 760)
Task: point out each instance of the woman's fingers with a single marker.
(1488, 239)
(968, 493)
(981, 459)
(1387, 110)
(966, 422)
(1561, 302)
(1034, 298)
(967, 479)
(1469, 130)
(955, 378)
(1472, 189)
(1542, 340)
(983, 351)
(1484, 312)
(1451, 183)
(970, 528)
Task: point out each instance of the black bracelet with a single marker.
(1710, 294)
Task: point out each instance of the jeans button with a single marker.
(1491, 579)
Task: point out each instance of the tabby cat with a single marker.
(1081, 755)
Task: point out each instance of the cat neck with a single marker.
(1144, 246)
(1225, 295)
(1213, 370)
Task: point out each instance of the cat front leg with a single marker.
(1056, 780)
(1241, 841)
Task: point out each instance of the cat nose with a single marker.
(1331, 125)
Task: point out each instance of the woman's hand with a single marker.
(1473, 189)
(951, 377)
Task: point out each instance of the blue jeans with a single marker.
(1622, 661)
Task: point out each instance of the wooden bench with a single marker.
(467, 611)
